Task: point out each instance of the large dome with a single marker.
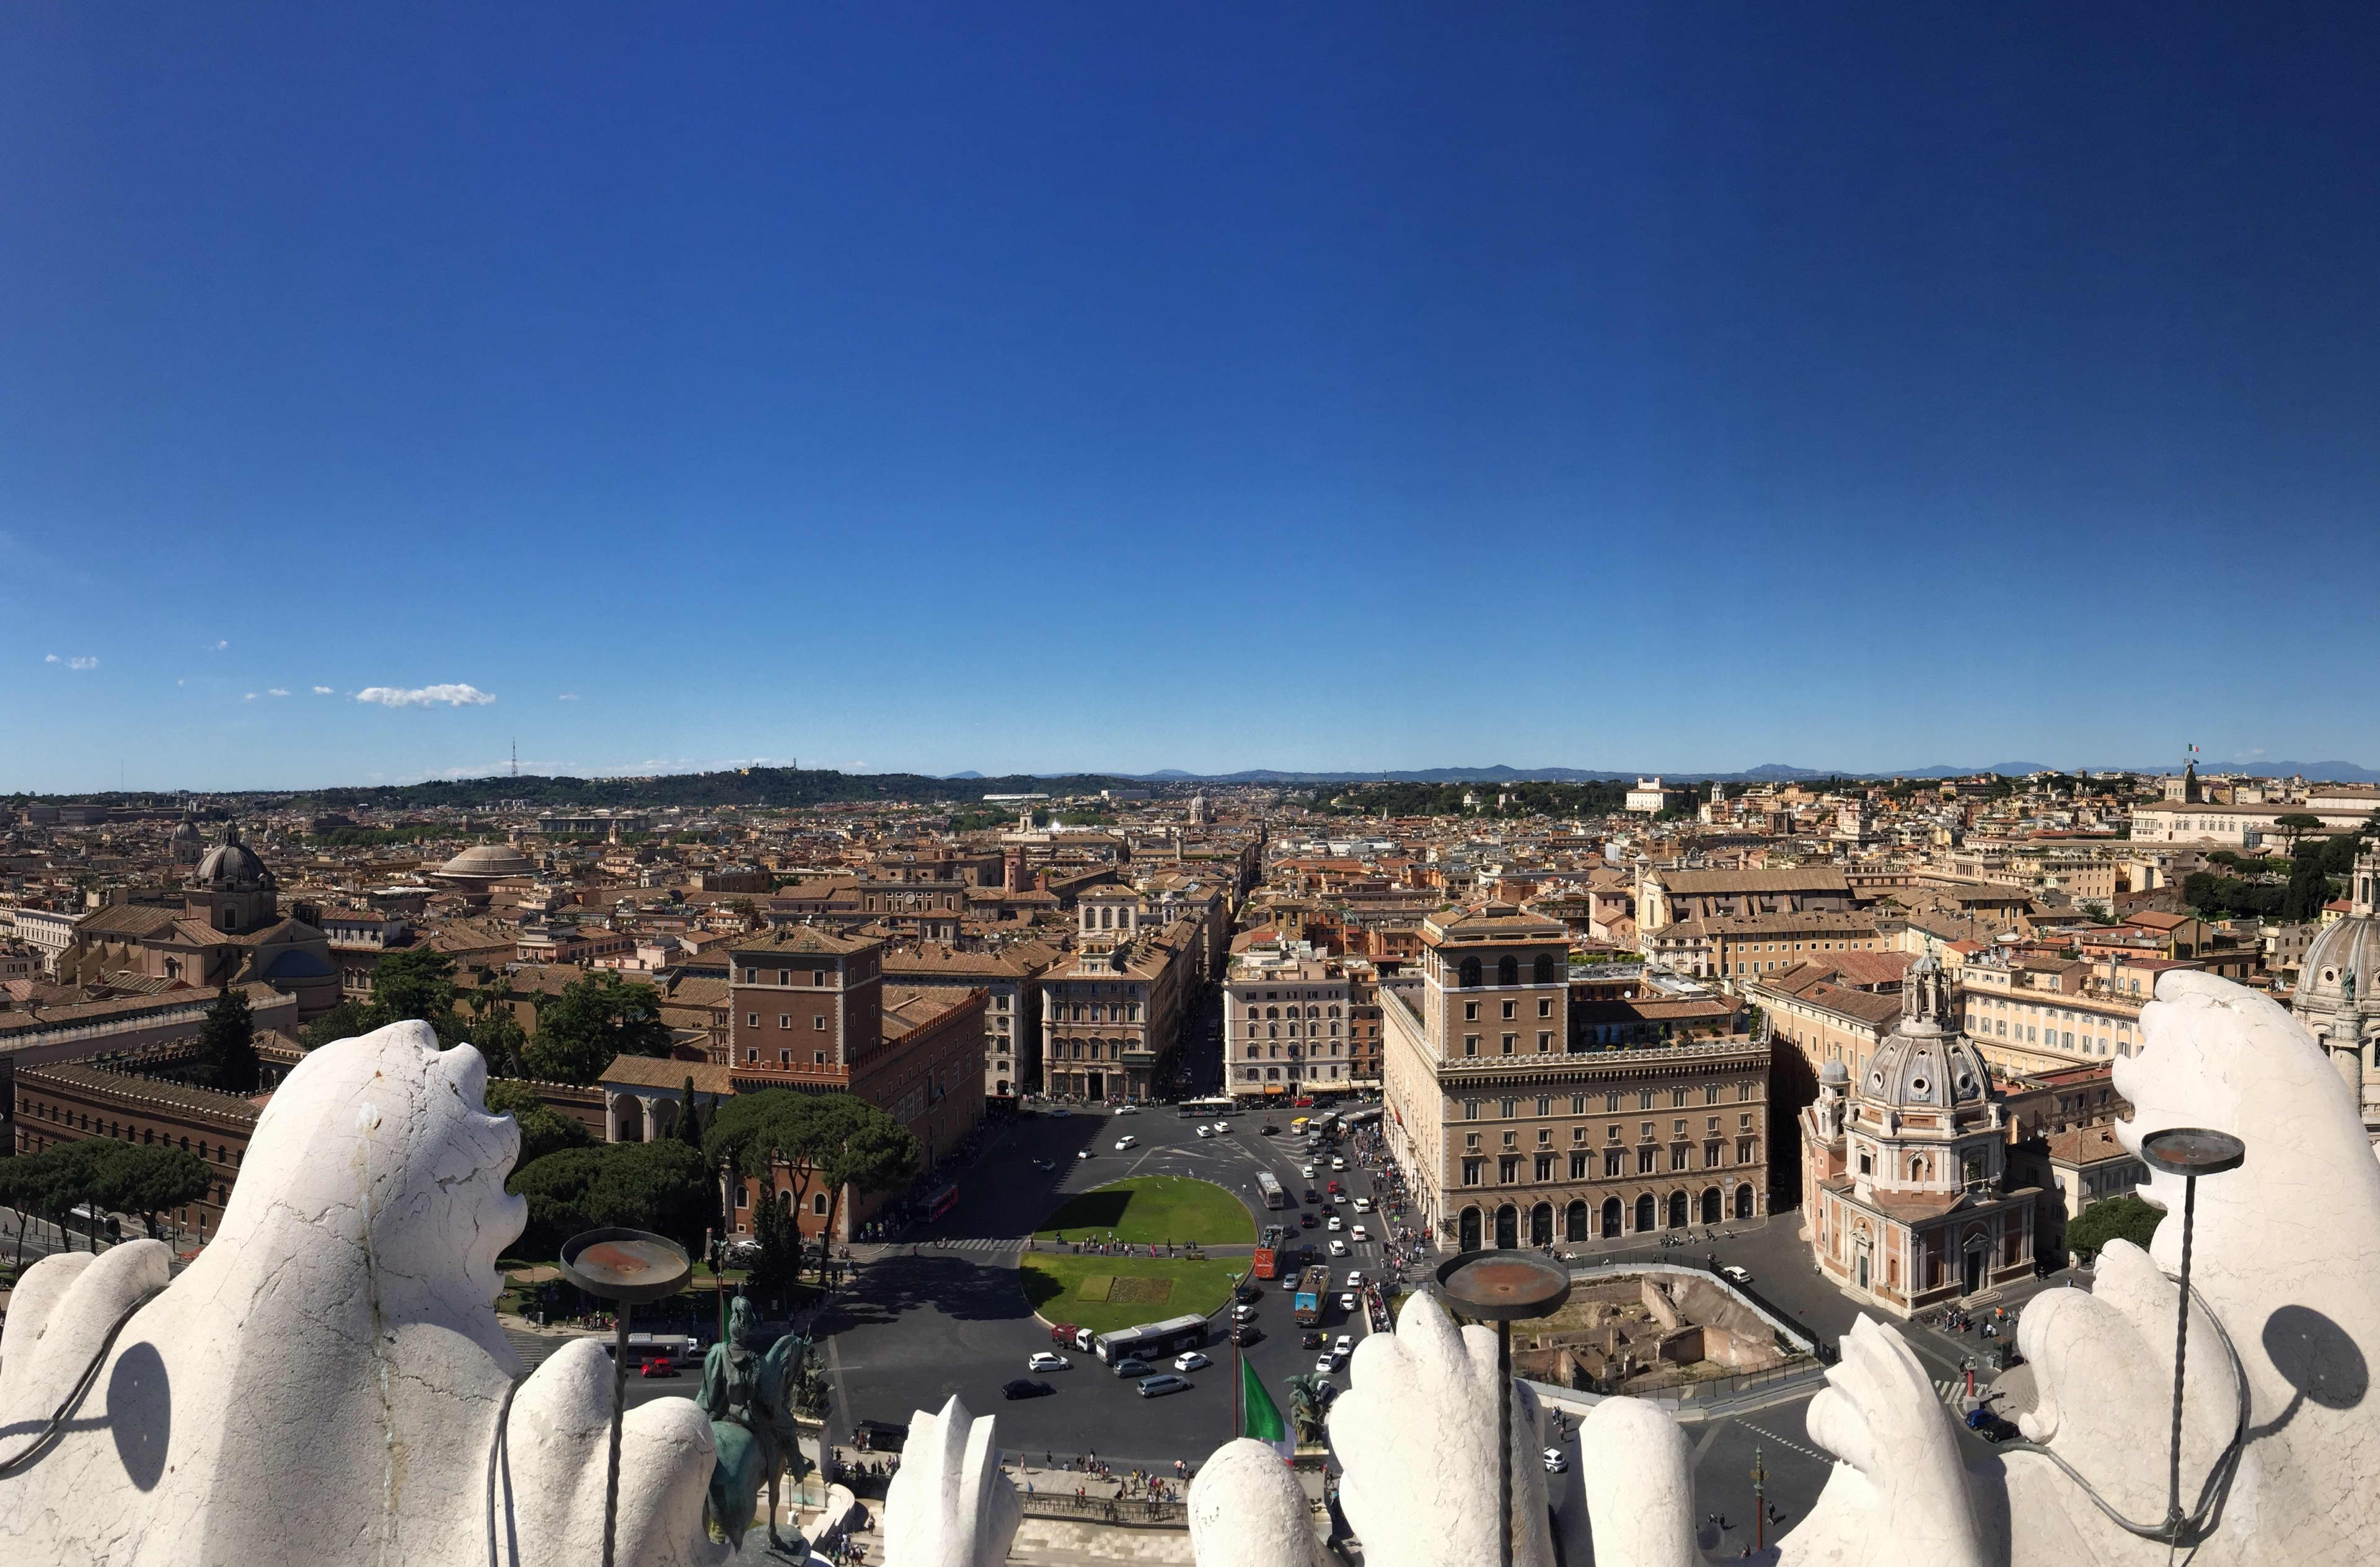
(488, 863)
(1927, 1062)
(2342, 953)
(232, 864)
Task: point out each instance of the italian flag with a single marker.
(1260, 1417)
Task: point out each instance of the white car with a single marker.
(1124, 1142)
(1223, 1126)
(1127, 1109)
(1191, 1360)
(1354, 1278)
(1241, 1313)
(1338, 1163)
(1363, 1205)
(1337, 1223)
(1081, 1154)
(1743, 1275)
(1209, 1131)
(1359, 1234)
(1045, 1361)
(1307, 1171)
(1347, 1301)
(1325, 1366)
(1346, 1345)
(1558, 1464)
(1337, 1247)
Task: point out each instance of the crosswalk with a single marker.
(1952, 1391)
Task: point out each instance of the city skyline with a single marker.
(1066, 391)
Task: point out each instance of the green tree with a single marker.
(754, 1134)
(2307, 890)
(227, 1052)
(593, 1020)
(2293, 826)
(663, 1186)
(779, 1267)
(2113, 1217)
(416, 982)
(860, 1149)
(543, 1130)
(689, 1117)
(346, 1020)
(497, 1035)
(148, 1178)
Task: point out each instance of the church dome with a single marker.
(2343, 953)
(488, 863)
(231, 865)
(1927, 1062)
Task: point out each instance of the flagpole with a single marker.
(1238, 1388)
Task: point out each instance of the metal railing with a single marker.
(1108, 1510)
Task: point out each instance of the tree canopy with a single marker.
(663, 1187)
(835, 1140)
(594, 1018)
(226, 1057)
(126, 1177)
(2112, 1218)
(543, 1130)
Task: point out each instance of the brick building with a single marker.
(68, 1101)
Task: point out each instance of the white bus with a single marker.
(1269, 1190)
(1204, 1109)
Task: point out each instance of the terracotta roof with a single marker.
(800, 938)
(662, 1071)
(2087, 1145)
(1807, 878)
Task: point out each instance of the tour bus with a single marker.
(1151, 1339)
(1313, 1289)
(1268, 1188)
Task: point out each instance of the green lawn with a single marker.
(1125, 1291)
(1154, 1208)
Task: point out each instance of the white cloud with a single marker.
(425, 697)
(567, 696)
(71, 662)
(249, 697)
(221, 645)
(276, 690)
(321, 691)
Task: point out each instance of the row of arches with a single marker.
(1579, 1222)
(1508, 971)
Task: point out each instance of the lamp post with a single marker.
(626, 1267)
(1501, 1286)
(1759, 1503)
(2190, 1152)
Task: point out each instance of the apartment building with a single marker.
(1288, 1021)
(1009, 980)
(810, 1011)
(1513, 1131)
(1731, 946)
(1112, 1019)
(2037, 1015)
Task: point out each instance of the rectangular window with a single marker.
(1510, 1040)
(1578, 1105)
(1544, 1044)
(1615, 1164)
(1508, 1169)
(1645, 1160)
(1471, 1171)
(1581, 1165)
(1710, 1156)
(1611, 1102)
(1746, 1150)
(784, 1058)
(785, 1019)
(1471, 1111)
(751, 1020)
(1470, 1044)
(1545, 1167)
(1678, 1156)
(1546, 1107)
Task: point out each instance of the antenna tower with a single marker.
(515, 757)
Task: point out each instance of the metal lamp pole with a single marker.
(1502, 1286)
(2190, 1152)
(624, 1267)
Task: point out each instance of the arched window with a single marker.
(1574, 1222)
(784, 1203)
(1541, 1224)
(1334, 1012)
(1612, 1214)
(1508, 969)
(1744, 1202)
(1678, 1210)
(1644, 1212)
(1508, 1226)
(1711, 1214)
(1272, 1011)
(817, 1203)
(1469, 1228)
(1251, 1014)
(1470, 973)
(1545, 969)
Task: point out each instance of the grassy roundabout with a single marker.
(1154, 1209)
(1122, 1291)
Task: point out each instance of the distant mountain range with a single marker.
(1766, 772)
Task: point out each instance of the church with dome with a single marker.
(229, 930)
(2337, 996)
(1904, 1173)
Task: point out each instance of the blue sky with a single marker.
(1131, 387)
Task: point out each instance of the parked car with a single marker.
(1987, 1423)
(1132, 1365)
(1191, 1360)
(1081, 1154)
(1743, 1275)
(1043, 1360)
(1557, 1461)
(1158, 1386)
(1025, 1387)
(1044, 1165)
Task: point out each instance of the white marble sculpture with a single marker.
(322, 1384)
(949, 1505)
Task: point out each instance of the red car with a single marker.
(658, 1366)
